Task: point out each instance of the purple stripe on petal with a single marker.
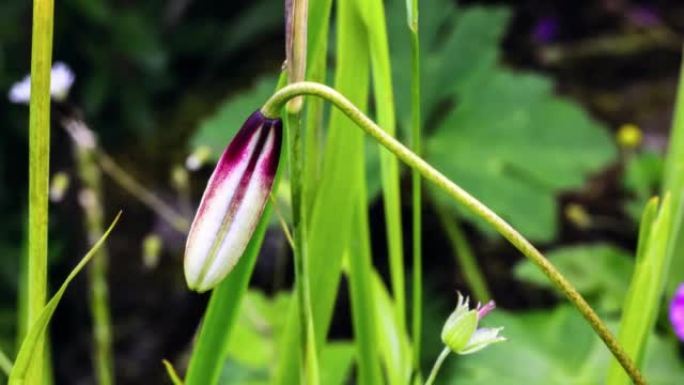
(233, 202)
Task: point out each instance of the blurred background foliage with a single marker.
(522, 101)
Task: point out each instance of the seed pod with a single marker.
(233, 202)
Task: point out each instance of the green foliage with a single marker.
(599, 271)
(503, 136)
(36, 334)
(555, 347)
(642, 305)
(216, 131)
(642, 177)
(259, 327)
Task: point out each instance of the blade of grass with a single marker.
(416, 191)
(646, 288)
(391, 337)
(171, 372)
(464, 255)
(389, 165)
(39, 168)
(319, 20)
(307, 346)
(33, 343)
(91, 184)
(673, 182)
(5, 363)
(331, 217)
(363, 305)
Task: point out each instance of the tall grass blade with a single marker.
(673, 183)
(39, 167)
(646, 288)
(464, 256)
(389, 165)
(33, 343)
(362, 302)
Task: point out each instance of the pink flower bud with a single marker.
(233, 202)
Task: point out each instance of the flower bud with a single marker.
(460, 332)
(233, 202)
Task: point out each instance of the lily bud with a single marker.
(233, 202)
(460, 332)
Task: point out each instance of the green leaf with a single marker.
(260, 326)
(642, 176)
(37, 331)
(642, 306)
(215, 132)
(555, 347)
(505, 137)
(514, 145)
(601, 272)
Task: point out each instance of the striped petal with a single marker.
(233, 202)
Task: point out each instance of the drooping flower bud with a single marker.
(233, 202)
(460, 332)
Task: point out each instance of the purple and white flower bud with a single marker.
(233, 202)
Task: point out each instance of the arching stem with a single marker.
(272, 109)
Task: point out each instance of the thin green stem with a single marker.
(438, 365)
(91, 198)
(135, 188)
(5, 363)
(39, 168)
(417, 207)
(272, 109)
(309, 360)
(464, 255)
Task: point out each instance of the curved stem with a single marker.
(272, 110)
(438, 365)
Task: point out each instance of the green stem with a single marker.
(309, 360)
(464, 254)
(91, 202)
(417, 225)
(438, 365)
(39, 167)
(272, 109)
(135, 188)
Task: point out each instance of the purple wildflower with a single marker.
(546, 30)
(233, 202)
(677, 312)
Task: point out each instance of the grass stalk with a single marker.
(309, 361)
(363, 302)
(416, 190)
(272, 109)
(39, 168)
(464, 256)
(91, 199)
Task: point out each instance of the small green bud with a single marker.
(460, 332)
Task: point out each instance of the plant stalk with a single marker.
(272, 109)
(438, 365)
(91, 199)
(39, 168)
(417, 207)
